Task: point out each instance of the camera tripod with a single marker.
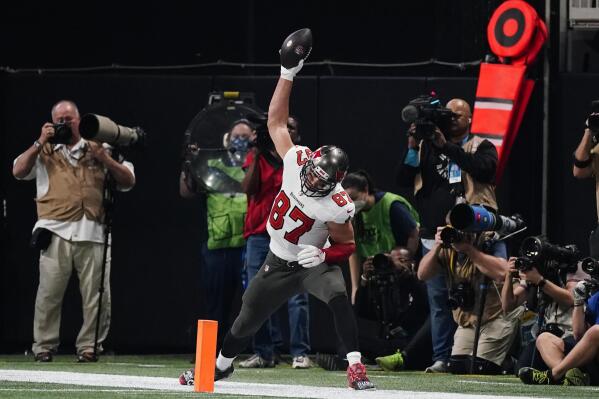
(484, 287)
(108, 203)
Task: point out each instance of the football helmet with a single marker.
(326, 167)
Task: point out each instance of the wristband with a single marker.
(338, 252)
(582, 164)
(37, 144)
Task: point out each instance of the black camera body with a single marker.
(461, 296)
(451, 235)
(384, 270)
(524, 264)
(552, 328)
(590, 266)
(593, 121)
(62, 133)
(262, 142)
(547, 257)
(426, 113)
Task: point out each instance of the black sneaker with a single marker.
(331, 362)
(222, 374)
(43, 357)
(87, 357)
(531, 376)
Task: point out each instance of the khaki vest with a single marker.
(73, 191)
(467, 271)
(475, 192)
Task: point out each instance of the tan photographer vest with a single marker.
(468, 272)
(73, 191)
(474, 191)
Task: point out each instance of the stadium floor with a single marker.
(156, 376)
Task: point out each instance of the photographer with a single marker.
(70, 173)
(564, 361)
(225, 212)
(469, 268)
(586, 164)
(262, 182)
(383, 221)
(442, 168)
(392, 312)
(555, 304)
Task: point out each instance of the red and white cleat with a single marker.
(357, 378)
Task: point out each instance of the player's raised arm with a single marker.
(294, 51)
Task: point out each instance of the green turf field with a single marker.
(170, 366)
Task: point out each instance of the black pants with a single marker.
(278, 280)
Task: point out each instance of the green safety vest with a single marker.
(377, 236)
(226, 212)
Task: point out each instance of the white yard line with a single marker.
(222, 387)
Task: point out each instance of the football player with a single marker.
(310, 230)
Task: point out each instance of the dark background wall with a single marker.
(156, 263)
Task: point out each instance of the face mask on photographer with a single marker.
(359, 204)
(239, 144)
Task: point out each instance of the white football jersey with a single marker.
(297, 219)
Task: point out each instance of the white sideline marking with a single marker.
(221, 387)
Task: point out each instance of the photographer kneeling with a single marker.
(468, 269)
(554, 304)
(392, 309)
(578, 365)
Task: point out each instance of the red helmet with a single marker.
(326, 167)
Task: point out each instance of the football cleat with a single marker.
(187, 377)
(357, 379)
(296, 48)
(222, 374)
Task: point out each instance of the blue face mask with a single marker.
(239, 144)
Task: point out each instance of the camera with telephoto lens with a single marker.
(461, 296)
(593, 121)
(451, 235)
(426, 113)
(478, 218)
(384, 270)
(262, 142)
(547, 257)
(523, 264)
(103, 130)
(590, 266)
(62, 133)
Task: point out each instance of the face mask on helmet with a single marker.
(326, 167)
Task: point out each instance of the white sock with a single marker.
(353, 358)
(223, 363)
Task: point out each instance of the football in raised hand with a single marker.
(296, 47)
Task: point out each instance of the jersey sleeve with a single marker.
(296, 157)
(343, 214)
